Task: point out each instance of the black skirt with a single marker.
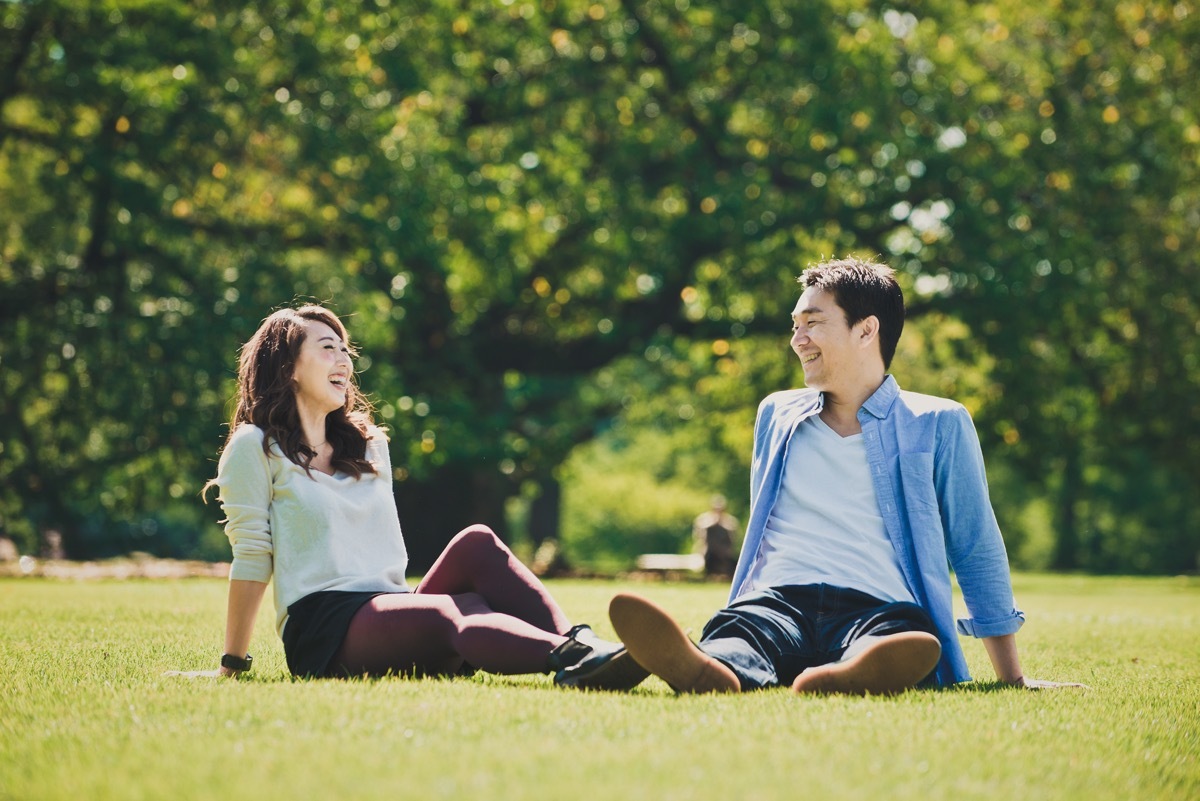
(315, 628)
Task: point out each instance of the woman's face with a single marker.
(323, 368)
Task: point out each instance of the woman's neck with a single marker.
(312, 428)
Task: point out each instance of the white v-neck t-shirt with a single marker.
(826, 527)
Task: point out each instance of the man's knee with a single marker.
(737, 623)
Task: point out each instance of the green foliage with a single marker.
(540, 217)
(613, 513)
(86, 712)
(1069, 262)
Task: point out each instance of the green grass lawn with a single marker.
(86, 713)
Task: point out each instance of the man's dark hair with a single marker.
(862, 289)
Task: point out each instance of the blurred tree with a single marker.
(1073, 261)
(538, 216)
(1042, 188)
(104, 146)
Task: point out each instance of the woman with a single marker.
(305, 482)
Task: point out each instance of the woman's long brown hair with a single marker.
(267, 397)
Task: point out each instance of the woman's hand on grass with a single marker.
(219, 673)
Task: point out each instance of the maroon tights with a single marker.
(478, 604)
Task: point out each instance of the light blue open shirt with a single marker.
(929, 479)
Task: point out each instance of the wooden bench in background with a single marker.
(667, 564)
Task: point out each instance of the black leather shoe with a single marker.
(587, 662)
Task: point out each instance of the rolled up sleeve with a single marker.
(244, 479)
(997, 627)
(973, 540)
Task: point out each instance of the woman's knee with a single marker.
(467, 604)
(477, 540)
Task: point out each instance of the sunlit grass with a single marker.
(85, 712)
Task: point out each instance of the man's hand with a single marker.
(1003, 653)
(1036, 684)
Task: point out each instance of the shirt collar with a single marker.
(881, 401)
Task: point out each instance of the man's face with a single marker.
(827, 346)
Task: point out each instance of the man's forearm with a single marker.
(1003, 653)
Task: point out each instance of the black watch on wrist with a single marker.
(231, 662)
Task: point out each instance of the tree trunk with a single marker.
(545, 512)
(434, 510)
(1066, 544)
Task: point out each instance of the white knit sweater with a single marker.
(313, 531)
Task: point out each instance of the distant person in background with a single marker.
(861, 494)
(305, 480)
(712, 537)
(52, 547)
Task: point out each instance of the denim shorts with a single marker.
(771, 636)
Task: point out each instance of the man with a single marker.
(712, 537)
(860, 495)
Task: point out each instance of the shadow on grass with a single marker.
(977, 687)
(528, 681)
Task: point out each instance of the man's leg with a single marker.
(744, 646)
(884, 650)
(763, 636)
